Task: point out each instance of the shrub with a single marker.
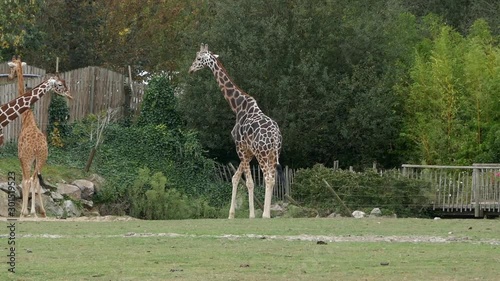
(363, 191)
(58, 121)
(152, 197)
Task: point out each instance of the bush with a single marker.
(362, 191)
(152, 197)
(58, 121)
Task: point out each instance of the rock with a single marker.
(358, 214)
(5, 187)
(93, 212)
(276, 207)
(98, 182)
(56, 196)
(4, 204)
(87, 203)
(52, 208)
(375, 212)
(70, 209)
(333, 215)
(70, 190)
(87, 188)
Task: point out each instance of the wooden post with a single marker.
(475, 192)
(57, 65)
(286, 183)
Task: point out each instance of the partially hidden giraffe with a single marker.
(255, 134)
(32, 144)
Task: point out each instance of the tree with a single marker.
(454, 95)
(19, 31)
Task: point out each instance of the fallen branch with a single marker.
(336, 195)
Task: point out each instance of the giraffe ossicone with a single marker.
(255, 134)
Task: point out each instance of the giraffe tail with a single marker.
(280, 173)
(44, 184)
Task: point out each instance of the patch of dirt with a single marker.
(80, 219)
(304, 237)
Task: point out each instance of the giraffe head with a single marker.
(203, 59)
(14, 65)
(59, 86)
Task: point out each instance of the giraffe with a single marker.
(32, 145)
(255, 134)
(14, 108)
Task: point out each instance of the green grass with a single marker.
(117, 251)
(51, 173)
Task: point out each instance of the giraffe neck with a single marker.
(28, 119)
(11, 110)
(20, 78)
(240, 102)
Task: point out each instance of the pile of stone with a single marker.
(65, 200)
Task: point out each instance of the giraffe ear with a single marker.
(23, 63)
(11, 64)
(216, 56)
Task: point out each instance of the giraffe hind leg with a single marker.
(39, 192)
(26, 191)
(250, 187)
(26, 184)
(33, 197)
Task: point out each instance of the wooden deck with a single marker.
(461, 190)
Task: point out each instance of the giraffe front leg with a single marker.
(236, 180)
(250, 187)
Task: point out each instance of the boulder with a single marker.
(5, 187)
(70, 209)
(87, 203)
(358, 214)
(87, 188)
(375, 213)
(4, 204)
(70, 190)
(333, 215)
(56, 196)
(98, 182)
(52, 208)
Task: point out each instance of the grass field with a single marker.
(242, 249)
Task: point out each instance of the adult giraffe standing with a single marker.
(255, 134)
(32, 144)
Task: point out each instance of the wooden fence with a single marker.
(94, 89)
(461, 189)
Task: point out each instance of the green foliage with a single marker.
(58, 120)
(152, 197)
(19, 29)
(363, 191)
(453, 99)
(325, 72)
(177, 156)
(159, 106)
